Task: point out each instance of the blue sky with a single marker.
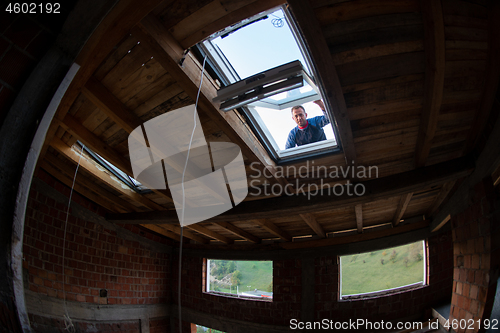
(261, 46)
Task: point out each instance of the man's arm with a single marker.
(290, 141)
(324, 119)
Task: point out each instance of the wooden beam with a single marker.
(359, 217)
(434, 45)
(239, 232)
(110, 31)
(75, 128)
(89, 139)
(487, 163)
(375, 189)
(209, 233)
(358, 237)
(491, 83)
(231, 18)
(445, 190)
(325, 73)
(272, 228)
(168, 52)
(89, 190)
(64, 149)
(402, 205)
(186, 233)
(98, 94)
(313, 224)
(162, 231)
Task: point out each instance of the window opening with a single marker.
(240, 278)
(202, 329)
(384, 271)
(267, 52)
(122, 176)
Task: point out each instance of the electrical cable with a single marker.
(184, 194)
(67, 320)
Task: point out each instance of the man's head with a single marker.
(299, 115)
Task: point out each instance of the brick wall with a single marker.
(96, 259)
(476, 250)
(159, 325)
(286, 303)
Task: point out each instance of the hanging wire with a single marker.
(184, 195)
(67, 320)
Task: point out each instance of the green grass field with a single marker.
(364, 272)
(256, 274)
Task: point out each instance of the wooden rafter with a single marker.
(445, 190)
(313, 224)
(239, 232)
(375, 189)
(120, 20)
(80, 132)
(186, 233)
(84, 186)
(359, 217)
(326, 73)
(98, 94)
(168, 52)
(358, 237)
(231, 18)
(64, 149)
(162, 231)
(210, 233)
(402, 205)
(492, 79)
(434, 43)
(272, 228)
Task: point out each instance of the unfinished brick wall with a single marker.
(99, 266)
(286, 304)
(476, 250)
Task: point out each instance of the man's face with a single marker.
(299, 116)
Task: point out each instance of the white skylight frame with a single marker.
(228, 75)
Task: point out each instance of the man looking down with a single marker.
(307, 130)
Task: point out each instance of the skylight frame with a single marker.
(227, 76)
(122, 176)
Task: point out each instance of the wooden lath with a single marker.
(65, 174)
(168, 52)
(239, 232)
(359, 217)
(313, 223)
(434, 43)
(64, 149)
(386, 187)
(403, 204)
(326, 73)
(273, 229)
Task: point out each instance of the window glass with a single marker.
(383, 270)
(241, 278)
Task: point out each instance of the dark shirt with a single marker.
(312, 133)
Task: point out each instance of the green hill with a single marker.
(384, 269)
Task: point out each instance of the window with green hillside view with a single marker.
(383, 270)
(242, 278)
(203, 329)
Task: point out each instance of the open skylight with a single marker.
(264, 70)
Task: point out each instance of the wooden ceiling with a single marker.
(411, 84)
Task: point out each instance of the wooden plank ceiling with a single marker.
(411, 85)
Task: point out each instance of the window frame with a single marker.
(206, 283)
(389, 291)
(225, 74)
